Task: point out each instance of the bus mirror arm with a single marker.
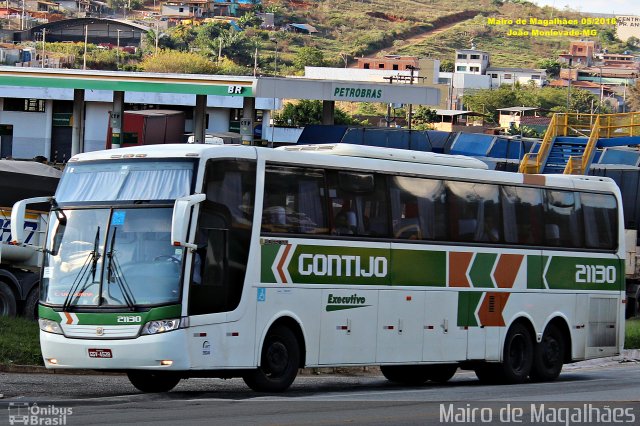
(17, 217)
(180, 219)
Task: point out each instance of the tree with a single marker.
(308, 56)
(171, 61)
(552, 67)
(633, 42)
(306, 112)
(446, 65)
(633, 97)
(422, 117)
(249, 20)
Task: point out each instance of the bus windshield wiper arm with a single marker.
(114, 271)
(80, 278)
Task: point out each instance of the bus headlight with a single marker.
(49, 326)
(160, 326)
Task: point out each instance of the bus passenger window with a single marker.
(564, 222)
(418, 208)
(358, 204)
(523, 215)
(475, 211)
(294, 201)
(600, 220)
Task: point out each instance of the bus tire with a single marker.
(153, 382)
(441, 373)
(548, 355)
(7, 301)
(279, 362)
(517, 358)
(31, 304)
(405, 374)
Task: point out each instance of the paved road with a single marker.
(329, 399)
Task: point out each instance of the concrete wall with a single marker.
(31, 131)
(96, 125)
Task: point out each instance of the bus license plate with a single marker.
(100, 353)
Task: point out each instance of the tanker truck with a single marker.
(20, 265)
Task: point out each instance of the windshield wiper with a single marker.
(114, 271)
(93, 257)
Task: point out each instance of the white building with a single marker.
(471, 61)
(523, 76)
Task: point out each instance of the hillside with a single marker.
(428, 28)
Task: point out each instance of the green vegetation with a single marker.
(553, 99)
(308, 112)
(19, 342)
(632, 334)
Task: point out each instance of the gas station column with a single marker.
(78, 122)
(116, 119)
(248, 119)
(199, 119)
(328, 112)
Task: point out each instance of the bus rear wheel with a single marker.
(153, 382)
(405, 374)
(279, 364)
(517, 357)
(7, 301)
(548, 356)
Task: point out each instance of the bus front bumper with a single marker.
(164, 351)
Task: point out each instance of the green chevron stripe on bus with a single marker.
(578, 273)
(351, 265)
(480, 272)
(467, 305)
(110, 318)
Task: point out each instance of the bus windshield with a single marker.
(111, 257)
(133, 180)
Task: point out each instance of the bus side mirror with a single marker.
(17, 217)
(180, 219)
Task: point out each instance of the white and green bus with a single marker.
(177, 261)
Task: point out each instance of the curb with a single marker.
(627, 355)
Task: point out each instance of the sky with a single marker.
(619, 7)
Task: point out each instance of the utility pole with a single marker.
(44, 35)
(84, 56)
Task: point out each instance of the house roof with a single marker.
(518, 109)
(305, 27)
(451, 112)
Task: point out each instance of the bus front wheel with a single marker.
(279, 362)
(153, 382)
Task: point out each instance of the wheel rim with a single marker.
(517, 356)
(277, 359)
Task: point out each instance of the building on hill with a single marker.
(187, 8)
(580, 53)
(523, 76)
(472, 61)
(388, 62)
